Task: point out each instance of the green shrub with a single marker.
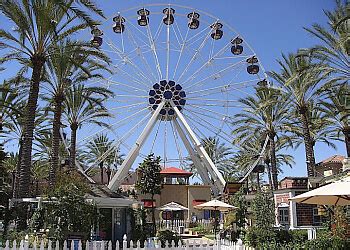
(201, 229)
(256, 236)
(335, 243)
(167, 235)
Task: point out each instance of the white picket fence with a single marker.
(194, 244)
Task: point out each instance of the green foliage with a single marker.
(200, 229)
(263, 210)
(168, 236)
(138, 225)
(255, 236)
(275, 239)
(239, 201)
(149, 180)
(67, 211)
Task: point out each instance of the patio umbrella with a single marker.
(172, 206)
(337, 193)
(215, 205)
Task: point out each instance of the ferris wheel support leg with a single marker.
(77, 164)
(134, 152)
(196, 160)
(214, 172)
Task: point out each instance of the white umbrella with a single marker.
(215, 205)
(337, 193)
(172, 206)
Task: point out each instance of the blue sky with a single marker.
(271, 27)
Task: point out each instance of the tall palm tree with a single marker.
(250, 151)
(337, 109)
(71, 63)
(335, 40)
(101, 150)
(301, 77)
(84, 105)
(36, 26)
(266, 113)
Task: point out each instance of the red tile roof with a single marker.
(175, 171)
(332, 159)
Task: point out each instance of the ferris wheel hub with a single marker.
(168, 91)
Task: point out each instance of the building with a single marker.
(177, 188)
(292, 215)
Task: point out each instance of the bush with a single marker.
(275, 238)
(168, 236)
(200, 229)
(328, 243)
(256, 236)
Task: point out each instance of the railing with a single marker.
(194, 244)
(175, 224)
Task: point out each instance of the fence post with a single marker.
(14, 245)
(138, 245)
(7, 245)
(80, 246)
(117, 245)
(102, 245)
(87, 245)
(65, 245)
(125, 243)
(57, 246)
(239, 244)
(187, 245)
(21, 245)
(49, 245)
(109, 245)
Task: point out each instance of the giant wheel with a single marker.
(178, 74)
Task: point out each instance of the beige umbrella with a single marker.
(172, 206)
(337, 193)
(215, 205)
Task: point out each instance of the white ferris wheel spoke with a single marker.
(194, 55)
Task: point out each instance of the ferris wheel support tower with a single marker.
(206, 168)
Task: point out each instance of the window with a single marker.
(316, 217)
(283, 216)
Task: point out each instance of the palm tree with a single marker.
(70, 64)
(335, 41)
(37, 25)
(220, 155)
(263, 114)
(250, 151)
(84, 105)
(301, 77)
(337, 110)
(101, 150)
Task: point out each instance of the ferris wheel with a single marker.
(178, 76)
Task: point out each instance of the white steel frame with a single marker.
(205, 166)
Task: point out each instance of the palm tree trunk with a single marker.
(18, 167)
(101, 172)
(268, 168)
(309, 149)
(346, 132)
(274, 173)
(73, 141)
(26, 160)
(56, 126)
